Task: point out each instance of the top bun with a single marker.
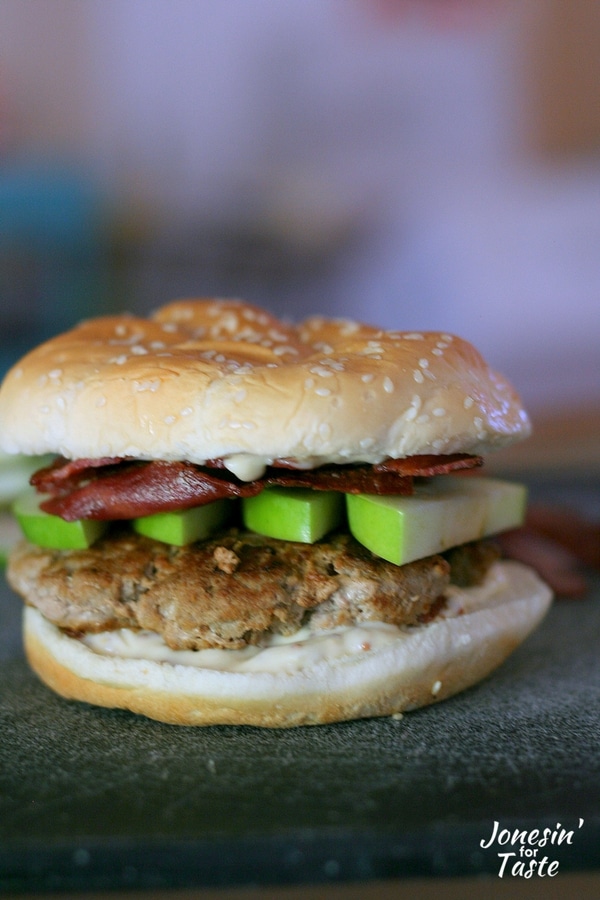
(207, 379)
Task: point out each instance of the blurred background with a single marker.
(426, 164)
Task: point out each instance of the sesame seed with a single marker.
(139, 350)
(55, 373)
(325, 430)
(413, 336)
(437, 352)
(423, 363)
(468, 402)
(388, 385)
(309, 384)
(368, 378)
(240, 395)
(149, 384)
(183, 314)
(436, 687)
(277, 335)
(418, 376)
(439, 411)
(186, 411)
(168, 420)
(324, 348)
(322, 392)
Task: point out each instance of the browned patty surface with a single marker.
(224, 592)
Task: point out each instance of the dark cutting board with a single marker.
(101, 799)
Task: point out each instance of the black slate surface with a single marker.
(102, 799)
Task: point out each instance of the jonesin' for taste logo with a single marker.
(528, 852)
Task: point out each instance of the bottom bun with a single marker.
(419, 666)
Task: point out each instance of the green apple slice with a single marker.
(293, 514)
(442, 513)
(45, 530)
(15, 472)
(184, 526)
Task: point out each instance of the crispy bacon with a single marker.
(140, 488)
(113, 488)
(426, 465)
(63, 474)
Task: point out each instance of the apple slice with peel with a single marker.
(15, 472)
(185, 526)
(52, 532)
(441, 513)
(293, 514)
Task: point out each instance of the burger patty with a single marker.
(228, 591)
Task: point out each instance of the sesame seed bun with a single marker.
(421, 666)
(208, 379)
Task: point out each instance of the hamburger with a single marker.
(253, 522)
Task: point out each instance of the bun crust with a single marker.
(209, 379)
(424, 665)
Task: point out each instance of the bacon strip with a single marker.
(141, 488)
(64, 474)
(426, 465)
(124, 489)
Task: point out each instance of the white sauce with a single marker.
(305, 648)
(276, 654)
(246, 466)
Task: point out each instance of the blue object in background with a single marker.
(54, 257)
